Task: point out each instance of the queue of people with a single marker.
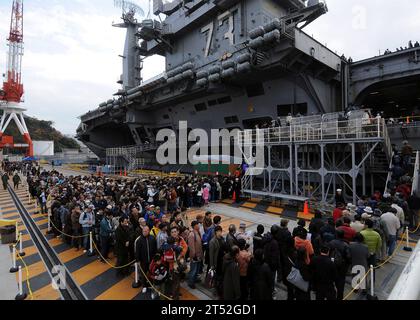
(145, 221)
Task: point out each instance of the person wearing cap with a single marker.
(242, 234)
(339, 198)
(196, 253)
(357, 225)
(162, 236)
(87, 220)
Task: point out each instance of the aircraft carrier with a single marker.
(237, 64)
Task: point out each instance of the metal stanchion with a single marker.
(407, 247)
(49, 231)
(91, 253)
(372, 296)
(16, 232)
(21, 295)
(21, 252)
(14, 269)
(136, 284)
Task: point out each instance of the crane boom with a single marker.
(13, 87)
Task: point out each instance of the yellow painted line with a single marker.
(121, 291)
(249, 205)
(275, 210)
(90, 271)
(34, 270)
(55, 242)
(256, 200)
(41, 222)
(301, 215)
(38, 215)
(69, 255)
(26, 237)
(186, 295)
(46, 293)
(9, 215)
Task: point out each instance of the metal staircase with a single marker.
(131, 156)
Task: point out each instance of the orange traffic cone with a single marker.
(120, 173)
(234, 196)
(125, 172)
(306, 208)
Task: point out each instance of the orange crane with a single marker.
(11, 96)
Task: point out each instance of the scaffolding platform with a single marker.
(313, 156)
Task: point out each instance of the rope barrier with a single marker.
(417, 229)
(26, 268)
(129, 264)
(377, 267)
(67, 235)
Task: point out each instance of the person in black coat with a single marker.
(272, 254)
(315, 229)
(145, 249)
(258, 238)
(122, 241)
(284, 238)
(342, 266)
(324, 275)
(260, 277)
(231, 277)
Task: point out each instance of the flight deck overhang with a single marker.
(313, 48)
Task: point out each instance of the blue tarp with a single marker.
(29, 159)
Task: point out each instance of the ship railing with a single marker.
(355, 129)
(415, 186)
(388, 178)
(131, 150)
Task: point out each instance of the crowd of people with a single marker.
(410, 46)
(145, 220)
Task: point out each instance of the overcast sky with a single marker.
(71, 61)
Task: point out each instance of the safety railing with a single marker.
(415, 186)
(388, 178)
(355, 129)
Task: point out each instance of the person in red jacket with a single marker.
(338, 212)
(349, 233)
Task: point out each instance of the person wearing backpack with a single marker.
(340, 253)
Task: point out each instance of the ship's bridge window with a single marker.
(232, 119)
(200, 107)
(212, 103)
(255, 90)
(166, 117)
